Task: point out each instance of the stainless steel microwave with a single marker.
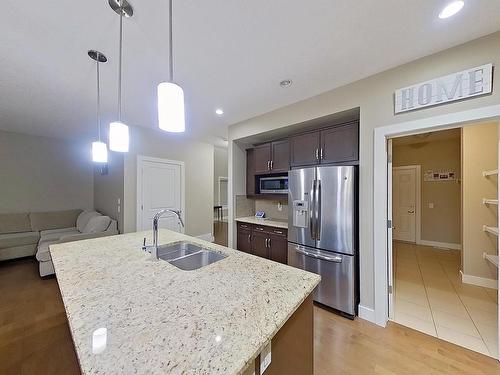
(273, 185)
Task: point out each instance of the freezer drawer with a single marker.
(337, 288)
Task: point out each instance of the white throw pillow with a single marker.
(97, 224)
(83, 219)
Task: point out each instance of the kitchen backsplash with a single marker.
(270, 207)
(244, 206)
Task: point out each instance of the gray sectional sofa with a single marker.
(28, 234)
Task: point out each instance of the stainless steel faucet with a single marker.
(154, 248)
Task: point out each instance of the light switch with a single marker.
(265, 358)
(431, 205)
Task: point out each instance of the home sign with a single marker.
(457, 86)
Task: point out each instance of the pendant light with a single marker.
(118, 131)
(171, 115)
(99, 149)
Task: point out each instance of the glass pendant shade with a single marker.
(118, 137)
(171, 115)
(99, 152)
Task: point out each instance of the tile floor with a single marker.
(430, 297)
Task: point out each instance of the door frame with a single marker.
(140, 162)
(380, 188)
(418, 197)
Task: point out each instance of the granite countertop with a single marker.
(130, 314)
(269, 222)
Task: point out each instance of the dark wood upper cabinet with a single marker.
(278, 248)
(250, 172)
(259, 244)
(262, 158)
(280, 156)
(339, 144)
(304, 149)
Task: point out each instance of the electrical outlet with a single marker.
(265, 358)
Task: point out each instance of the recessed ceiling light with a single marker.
(451, 9)
(219, 111)
(286, 83)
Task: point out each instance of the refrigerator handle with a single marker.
(312, 227)
(317, 208)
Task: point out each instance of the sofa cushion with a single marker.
(84, 218)
(53, 220)
(55, 234)
(97, 224)
(43, 253)
(14, 223)
(18, 239)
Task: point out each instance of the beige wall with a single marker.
(479, 153)
(108, 189)
(220, 169)
(441, 223)
(199, 163)
(44, 174)
(374, 96)
(270, 207)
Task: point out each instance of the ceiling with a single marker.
(425, 138)
(229, 54)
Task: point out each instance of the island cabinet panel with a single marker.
(262, 158)
(280, 156)
(292, 348)
(250, 172)
(244, 238)
(304, 149)
(339, 144)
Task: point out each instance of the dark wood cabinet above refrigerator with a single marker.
(326, 145)
(333, 145)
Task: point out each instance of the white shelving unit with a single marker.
(492, 258)
(490, 201)
(493, 230)
(490, 173)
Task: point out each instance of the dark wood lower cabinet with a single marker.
(263, 241)
(244, 240)
(259, 244)
(278, 249)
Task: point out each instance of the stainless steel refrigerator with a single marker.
(322, 232)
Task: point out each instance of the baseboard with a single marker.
(207, 237)
(366, 313)
(479, 281)
(441, 245)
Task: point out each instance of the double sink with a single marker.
(188, 256)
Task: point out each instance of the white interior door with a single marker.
(404, 189)
(160, 186)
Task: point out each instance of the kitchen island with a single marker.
(131, 314)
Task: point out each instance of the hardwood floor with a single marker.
(34, 332)
(220, 233)
(35, 339)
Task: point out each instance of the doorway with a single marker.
(442, 284)
(160, 185)
(220, 225)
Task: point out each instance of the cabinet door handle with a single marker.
(278, 232)
(268, 165)
(317, 154)
(271, 165)
(269, 243)
(249, 238)
(321, 153)
(257, 228)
